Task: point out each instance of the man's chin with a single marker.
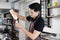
(32, 16)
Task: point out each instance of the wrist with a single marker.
(16, 21)
(18, 16)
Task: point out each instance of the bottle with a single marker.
(49, 4)
(55, 3)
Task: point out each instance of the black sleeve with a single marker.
(39, 25)
(28, 18)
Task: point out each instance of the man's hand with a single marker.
(14, 14)
(18, 25)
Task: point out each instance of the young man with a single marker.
(35, 19)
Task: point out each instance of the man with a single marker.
(35, 19)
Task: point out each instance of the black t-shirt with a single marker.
(39, 24)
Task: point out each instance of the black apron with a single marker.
(31, 29)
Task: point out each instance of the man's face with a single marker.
(33, 14)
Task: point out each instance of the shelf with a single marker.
(7, 24)
(54, 7)
(8, 18)
(58, 16)
(42, 0)
(49, 16)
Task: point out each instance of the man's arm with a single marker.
(33, 35)
(15, 15)
(22, 18)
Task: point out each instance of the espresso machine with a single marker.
(9, 32)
